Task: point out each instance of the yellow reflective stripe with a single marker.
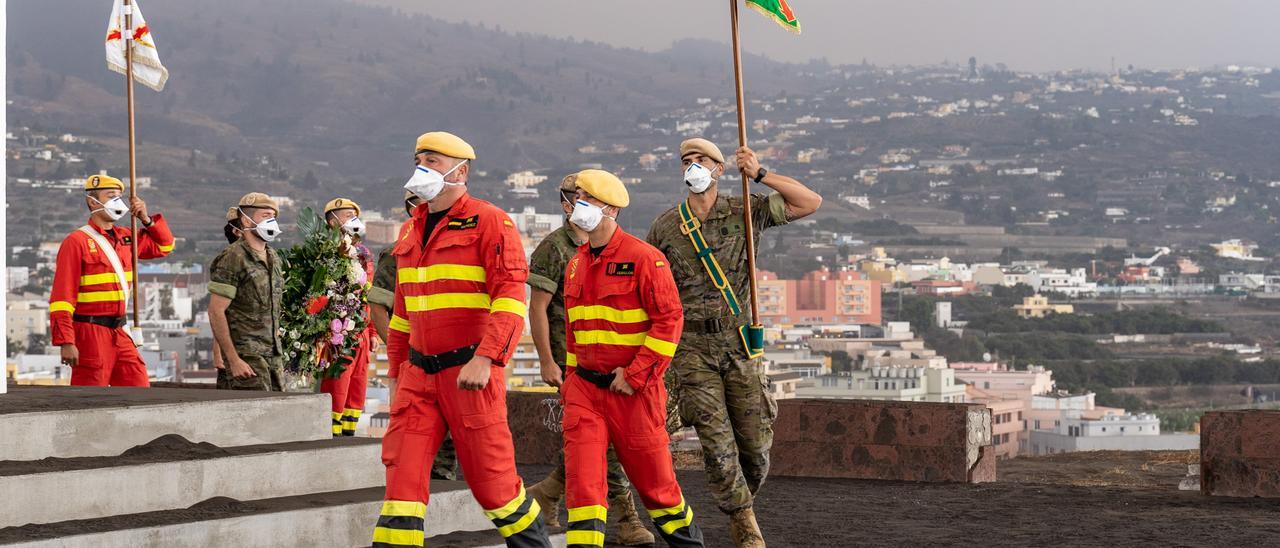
(660, 346)
(585, 513)
(522, 523)
(655, 514)
(505, 304)
(104, 278)
(590, 538)
(100, 296)
(166, 248)
(408, 508)
(61, 306)
(506, 509)
(440, 301)
(600, 312)
(672, 526)
(399, 537)
(399, 324)
(437, 272)
(571, 359)
(600, 336)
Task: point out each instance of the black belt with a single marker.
(603, 380)
(710, 326)
(436, 363)
(112, 322)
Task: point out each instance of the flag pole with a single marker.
(126, 35)
(742, 142)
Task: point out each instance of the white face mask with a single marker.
(267, 230)
(115, 208)
(354, 227)
(586, 216)
(427, 183)
(698, 178)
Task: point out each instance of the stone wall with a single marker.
(860, 439)
(1240, 453)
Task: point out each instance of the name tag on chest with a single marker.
(621, 269)
(464, 224)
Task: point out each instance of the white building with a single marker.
(524, 179)
(1124, 432)
(930, 384)
(1073, 283)
(18, 277)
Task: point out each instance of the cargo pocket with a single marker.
(769, 406)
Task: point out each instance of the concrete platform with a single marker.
(38, 422)
(75, 489)
(342, 519)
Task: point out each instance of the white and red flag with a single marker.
(147, 69)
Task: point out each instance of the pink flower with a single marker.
(335, 326)
(337, 339)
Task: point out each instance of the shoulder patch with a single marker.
(621, 269)
(660, 264)
(466, 223)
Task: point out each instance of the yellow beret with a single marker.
(103, 182)
(409, 195)
(703, 146)
(232, 214)
(569, 183)
(341, 203)
(258, 199)
(603, 186)
(444, 143)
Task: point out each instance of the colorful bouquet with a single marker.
(324, 299)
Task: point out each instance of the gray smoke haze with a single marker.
(1024, 34)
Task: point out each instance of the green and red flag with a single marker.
(779, 11)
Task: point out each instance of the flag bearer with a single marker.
(624, 320)
(722, 391)
(460, 290)
(87, 304)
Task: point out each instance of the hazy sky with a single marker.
(1025, 34)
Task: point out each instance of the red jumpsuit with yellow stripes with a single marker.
(623, 312)
(461, 294)
(86, 290)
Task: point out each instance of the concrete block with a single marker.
(313, 467)
(913, 441)
(1240, 453)
(905, 441)
(41, 422)
(305, 522)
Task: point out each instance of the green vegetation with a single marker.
(1128, 322)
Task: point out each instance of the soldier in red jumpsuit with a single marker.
(87, 301)
(460, 292)
(624, 322)
(346, 392)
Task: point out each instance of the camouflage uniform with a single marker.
(255, 287)
(713, 385)
(546, 272)
(383, 293)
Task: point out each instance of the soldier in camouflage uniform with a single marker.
(547, 321)
(245, 286)
(382, 293)
(714, 386)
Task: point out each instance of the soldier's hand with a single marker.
(748, 162)
(139, 209)
(620, 384)
(551, 373)
(70, 355)
(475, 374)
(240, 369)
